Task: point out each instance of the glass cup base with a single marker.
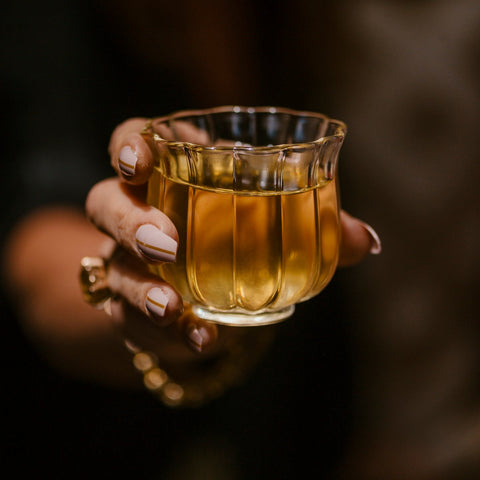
(242, 319)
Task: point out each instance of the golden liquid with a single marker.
(249, 252)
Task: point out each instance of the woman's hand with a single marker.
(41, 263)
(117, 207)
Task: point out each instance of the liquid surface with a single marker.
(249, 252)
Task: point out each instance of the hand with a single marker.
(116, 206)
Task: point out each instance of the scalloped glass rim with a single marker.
(339, 134)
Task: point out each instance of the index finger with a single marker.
(130, 155)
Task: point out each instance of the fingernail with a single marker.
(127, 161)
(156, 302)
(375, 243)
(155, 244)
(198, 337)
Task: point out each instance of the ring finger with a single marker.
(130, 279)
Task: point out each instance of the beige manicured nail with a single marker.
(156, 302)
(156, 245)
(375, 242)
(127, 161)
(198, 337)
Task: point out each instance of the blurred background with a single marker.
(379, 376)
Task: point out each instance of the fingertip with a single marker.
(359, 239)
(163, 306)
(199, 335)
(134, 161)
(127, 161)
(155, 245)
(375, 242)
(130, 155)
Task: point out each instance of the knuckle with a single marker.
(125, 227)
(91, 201)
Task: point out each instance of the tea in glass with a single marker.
(253, 195)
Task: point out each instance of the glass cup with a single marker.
(253, 194)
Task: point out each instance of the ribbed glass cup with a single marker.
(253, 194)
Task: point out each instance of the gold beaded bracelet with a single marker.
(209, 382)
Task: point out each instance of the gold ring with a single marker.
(93, 279)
